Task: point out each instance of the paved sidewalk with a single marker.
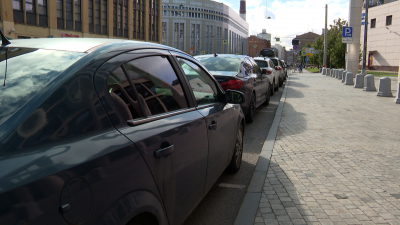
(336, 158)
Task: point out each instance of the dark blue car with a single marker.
(102, 131)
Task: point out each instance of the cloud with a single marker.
(291, 18)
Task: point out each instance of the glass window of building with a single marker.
(17, 5)
(389, 20)
(42, 7)
(90, 13)
(97, 23)
(60, 14)
(104, 16)
(30, 12)
(373, 23)
(68, 14)
(197, 39)
(77, 16)
(125, 8)
(115, 18)
(164, 33)
(181, 36)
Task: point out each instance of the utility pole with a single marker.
(363, 72)
(325, 34)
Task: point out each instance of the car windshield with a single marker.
(25, 72)
(262, 63)
(230, 64)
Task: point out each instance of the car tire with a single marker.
(236, 160)
(280, 82)
(252, 109)
(272, 88)
(268, 98)
(276, 87)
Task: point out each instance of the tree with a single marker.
(336, 50)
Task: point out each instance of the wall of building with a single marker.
(383, 45)
(256, 45)
(204, 27)
(137, 22)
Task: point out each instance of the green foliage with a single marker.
(336, 50)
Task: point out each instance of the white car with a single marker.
(272, 73)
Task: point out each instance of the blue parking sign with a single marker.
(347, 32)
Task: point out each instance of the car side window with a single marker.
(156, 88)
(204, 88)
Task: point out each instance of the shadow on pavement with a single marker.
(292, 122)
(296, 84)
(281, 200)
(293, 93)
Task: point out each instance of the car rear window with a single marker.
(262, 63)
(221, 63)
(275, 62)
(26, 71)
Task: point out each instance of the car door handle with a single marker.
(164, 152)
(213, 125)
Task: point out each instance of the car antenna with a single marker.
(215, 55)
(4, 40)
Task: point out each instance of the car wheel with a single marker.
(236, 160)
(252, 109)
(276, 87)
(280, 82)
(267, 98)
(272, 88)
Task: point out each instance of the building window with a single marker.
(389, 20)
(104, 16)
(197, 48)
(17, 5)
(181, 36)
(120, 18)
(97, 17)
(77, 10)
(126, 18)
(60, 14)
(373, 23)
(91, 24)
(68, 15)
(164, 33)
(30, 12)
(42, 7)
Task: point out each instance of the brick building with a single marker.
(256, 45)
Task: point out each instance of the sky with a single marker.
(290, 17)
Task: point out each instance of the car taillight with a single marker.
(269, 71)
(232, 84)
(279, 68)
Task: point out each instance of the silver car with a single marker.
(272, 73)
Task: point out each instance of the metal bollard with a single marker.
(337, 73)
(340, 74)
(397, 100)
(359, 81)
(328, 71)
(344, 76)
(349, 79)
(385, 87)
(323, 71)
(332, 71)
(369, 83)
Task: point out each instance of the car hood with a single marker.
(224, 73)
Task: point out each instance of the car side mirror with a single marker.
(234, 97)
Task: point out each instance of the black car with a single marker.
(240, 72)
(103, 131)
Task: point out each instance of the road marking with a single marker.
(237, 186)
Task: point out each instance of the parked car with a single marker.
(272, 73)
(103, 131)
(267, 52)
(240, 72)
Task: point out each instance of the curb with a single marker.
(248, 209)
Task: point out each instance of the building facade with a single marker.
(126, 19)
(256, 45)
(383, 40)
(306, 38)
(203, 27)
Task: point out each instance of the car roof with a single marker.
(76, 44)
(262, 58)
(222, 55)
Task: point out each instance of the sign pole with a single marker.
(363, 72)
(325, 34)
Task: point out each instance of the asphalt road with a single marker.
(221, 205)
